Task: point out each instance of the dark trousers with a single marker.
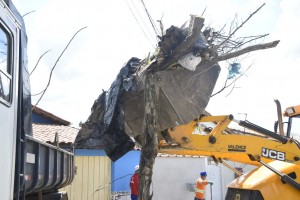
(198, 199)
(134, 197)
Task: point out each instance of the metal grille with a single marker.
(191, 187)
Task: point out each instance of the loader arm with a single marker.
(210, 136)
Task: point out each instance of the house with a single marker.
(93, 167)
(122, 170)
(174, 176)
(47, 127)
(97, 177)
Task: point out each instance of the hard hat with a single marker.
(203, 174)
(137, 167)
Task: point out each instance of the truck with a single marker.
(30, 169)
(275, 153)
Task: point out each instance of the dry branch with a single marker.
(49, 80)
(37, 63)
(232, 83)
(240, 26)
(247, 50)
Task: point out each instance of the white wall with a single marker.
(171, 174)
(217, 190)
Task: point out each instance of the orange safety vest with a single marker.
(200, 188)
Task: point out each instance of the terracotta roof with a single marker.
(50, 116)
(46, 133)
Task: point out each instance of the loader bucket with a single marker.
(184, 95)
(186, 80)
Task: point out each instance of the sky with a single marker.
(113, 35)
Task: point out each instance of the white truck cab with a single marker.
(29, 169)
(9, 83)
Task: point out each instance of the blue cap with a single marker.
(203, 174)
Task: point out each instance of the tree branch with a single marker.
(28, 13)
(247, 50)
(242, 43)
(240, 26)
(233, 82)
(56, 64)
(38, 61)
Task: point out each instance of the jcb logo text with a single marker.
(270, 153)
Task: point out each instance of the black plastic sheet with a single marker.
(105, 128)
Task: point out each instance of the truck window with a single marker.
(5, 70)
(295, 129)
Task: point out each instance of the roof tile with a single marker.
(46, 133)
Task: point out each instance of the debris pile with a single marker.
(186, 78)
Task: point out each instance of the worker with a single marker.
(134, 183)
(200, 186)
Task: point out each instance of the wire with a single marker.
(101, 187)
(150, 18)
(143, 21)
(140, 25)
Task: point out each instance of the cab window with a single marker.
(295, 127)
(5, 70)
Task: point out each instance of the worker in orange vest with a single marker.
(200, 186)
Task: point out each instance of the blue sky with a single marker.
(113, 36)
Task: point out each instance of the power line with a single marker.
(143, 21)
(150, 19)
(140, 25)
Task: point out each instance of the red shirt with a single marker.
(134, 183)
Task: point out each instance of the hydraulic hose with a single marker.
(263, 131)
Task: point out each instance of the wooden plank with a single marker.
(103, 179)
(107, 169)
(93, 172)
(84, 178)
(90, 177)
(78, 194)
(97, 177)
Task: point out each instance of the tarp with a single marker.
(105, 127)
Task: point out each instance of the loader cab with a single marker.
(293, 125)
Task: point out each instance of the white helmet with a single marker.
(137, 167)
